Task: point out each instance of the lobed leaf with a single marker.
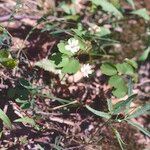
(61, 48)
(132, 63)
(108, 69)
(121, 91)
(125, 68)
(116, 81)
(71, 67)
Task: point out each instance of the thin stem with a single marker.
(61, 106)
(53, 97)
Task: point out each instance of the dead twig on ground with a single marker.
(61, 120)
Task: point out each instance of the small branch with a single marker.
(61, 106)
(61, 120)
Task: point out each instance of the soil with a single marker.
(72, 127)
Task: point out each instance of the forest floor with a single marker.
(72, 127)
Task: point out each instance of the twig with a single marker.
(61, 106)
(61, 120)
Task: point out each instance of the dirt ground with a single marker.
(72, 127)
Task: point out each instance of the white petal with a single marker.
(86, 69)
(70, 41)
(76, 42)
(74, 50)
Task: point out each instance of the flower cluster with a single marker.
(94, 29)
(73, 46)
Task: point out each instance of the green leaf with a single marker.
(5, 119)
(1, 133)
(121, 91)
(82, 43)
(98, 113)
(108, 7)
(79, 31)
(120, 106)
(25, 105)
(140, 111)
(145, 54)
(72, 17)
(56, 58)
(131, 2)
(116, 81)
(4, 54)
(10, 63)
(26, 120)
(47, 65)
(6, 61)
(61, 48)
(71, 67)
(11, 92)
(20, 101)
(125, 68)
(108, 69)
(139, 127)
(64, 61)
(26, 84)
(59, 59)
(119, 139)
(22, 93)
(110, 105)
(3, 60)
(116, 3)
(103, 31)
(49, 27)
(132, 63)
(68, 9)
(142, 13)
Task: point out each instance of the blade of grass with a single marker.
(138, 126)
(121, 105)
(119, 139)
(5, 119)
(110, 106)
(140, 111)
(98, 113)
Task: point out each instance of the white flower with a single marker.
(86, 69)
(94, 29)
(58, 71)
(73, 45)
